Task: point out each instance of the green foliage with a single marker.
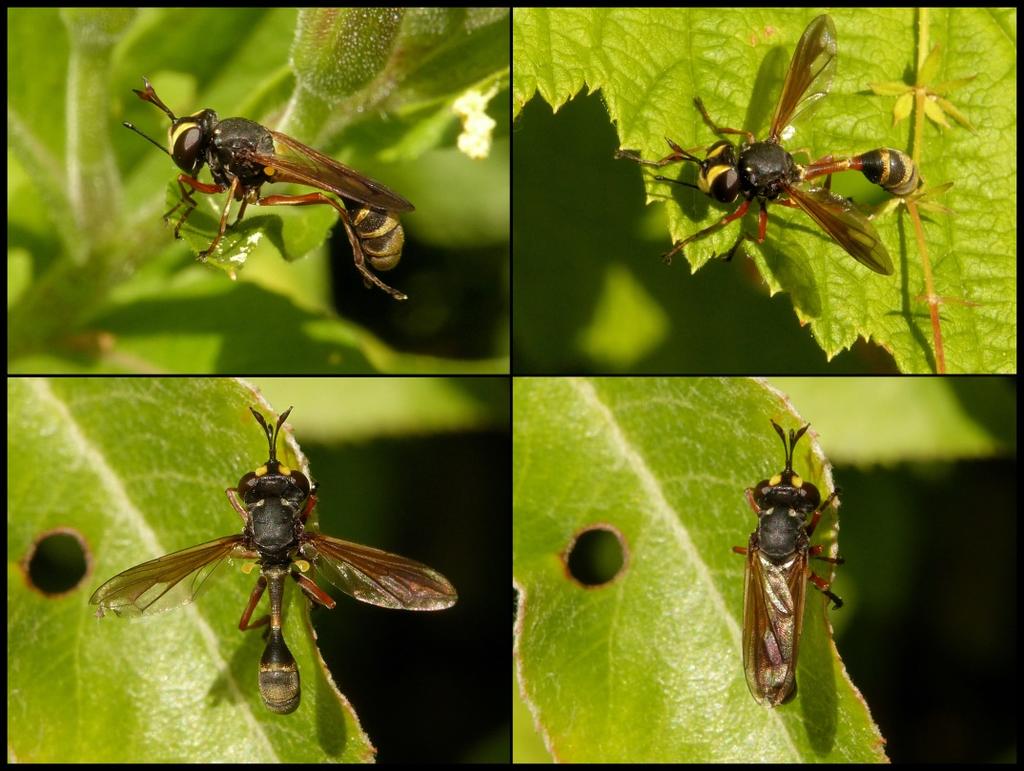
(649, 64)
(97, 283)
(114, 690)
(138, 468)
(647, 668)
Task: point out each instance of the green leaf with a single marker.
(114, 690)
(137, 467)
(649, 64)
(647, 667)
(292, 231)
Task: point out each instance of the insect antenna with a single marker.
(271, 433)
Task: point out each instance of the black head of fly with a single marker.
(273, 478)
(787, 488)
(188, 137)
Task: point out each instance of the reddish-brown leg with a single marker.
(739, 212)
(254, 598)
(762, 223)
(236, 503)
(823, 587)
(188, 200)
(817, 514)
(314, 592)
(202, 187)
(721, 130)
(310, 503)
(232, 191)
(749, 495)
(678, 155)
(358, 258)
(815, 553)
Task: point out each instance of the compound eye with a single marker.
(301, 482)
(246, 483)
(187, 145)
(725, 187)
(810, 494)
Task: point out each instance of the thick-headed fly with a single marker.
(243, 156)
(766, 172)
(776, 576)
(274, 502)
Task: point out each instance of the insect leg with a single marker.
(314, 592)
(254, 598)
(188, 200)
(762, 223)
(223, 219)
(677, 155)
(241, 211)
(358, 257)
(749, 495)
(823, 586)
(720, 130)
(740, 211)
(236, 504)
(310, 503)
(189, 203)
(817, 514)
(815, 553)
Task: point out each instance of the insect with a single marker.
(243, 156)
(776, 575)
(766, 172)
(274, 502)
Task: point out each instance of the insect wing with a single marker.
(773, 611)
(301, 164)
(378, 577)
(813, 65)
(841, 220)
(166, 582)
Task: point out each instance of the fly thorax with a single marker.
(765, 169)
(273, 524)
(779, 532)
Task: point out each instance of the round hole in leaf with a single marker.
(56, 562)
(596, 555)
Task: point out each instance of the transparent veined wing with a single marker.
(809, 75)
(379, 577)
(167, 582)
